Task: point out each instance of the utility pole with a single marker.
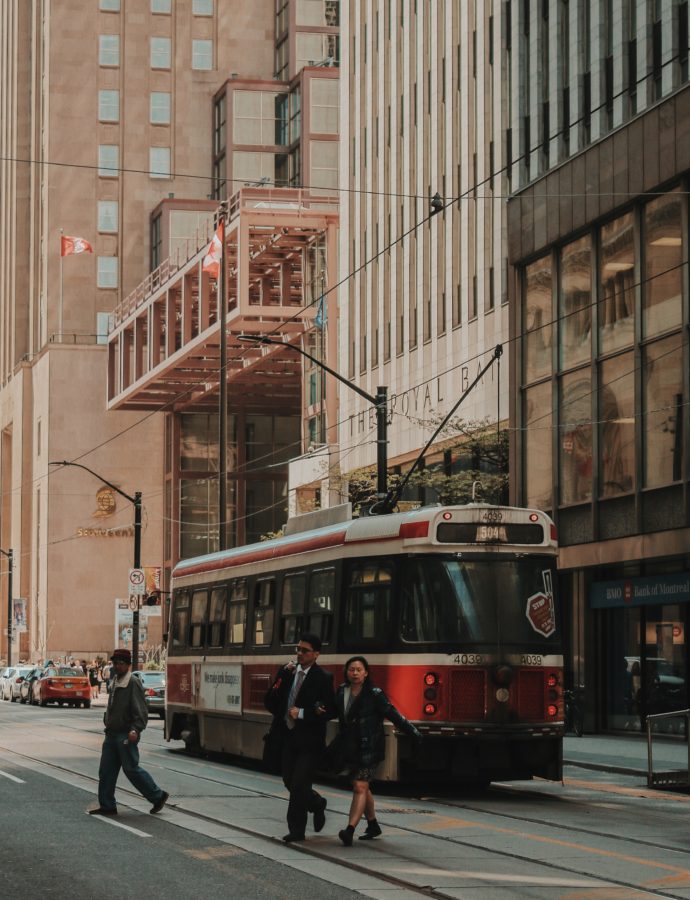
(10, 563)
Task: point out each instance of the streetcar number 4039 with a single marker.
(530, 659)
(468, 659)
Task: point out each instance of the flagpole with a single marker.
(61, 289)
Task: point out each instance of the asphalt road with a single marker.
(599, 835)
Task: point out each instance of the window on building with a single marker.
(107, 216)
(662, 295)
(575, 437)
(202, 7)
(281, 59)
(264, 612)
(537, 420)
(109, 5)
(161, 6)
(107, 272)
(108, 160)
(216, 617)
(109, 50)
(109, 106)
(198, 516)
(252, 168)
(616, 416)
(237, 611)
(160, 52)
(156, 242)
(575, 303)
(617, 298)
(324, 164)
(159, 162)
(160, 107)
(318, 13)
(536, 322)
(292, 610)
(324, 105)
(662, 381)
(202, 55)
(102, 327)
(313, 48)
(259, 117)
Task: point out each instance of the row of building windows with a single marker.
(164, 7)
(160, 52)
(109, 161)
(160, 104)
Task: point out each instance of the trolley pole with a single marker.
(379, 402)
(10, 565)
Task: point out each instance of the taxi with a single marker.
(65, 685)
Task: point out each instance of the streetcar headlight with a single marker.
(502, 695)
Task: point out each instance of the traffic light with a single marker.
(153, 599)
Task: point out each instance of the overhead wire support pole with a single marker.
(10, 565)
(136, 502)
(393, 496)
(379, 402)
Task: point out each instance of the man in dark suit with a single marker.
(301, 699)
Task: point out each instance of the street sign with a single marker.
(137, 582)
(134, 601)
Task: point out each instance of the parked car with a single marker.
(5, 674)
(14, 682)
(154, 690)
(26, 688)
(63, 685)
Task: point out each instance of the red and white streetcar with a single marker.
(454, 607)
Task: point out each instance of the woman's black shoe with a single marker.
(346, 835)
(373, 831)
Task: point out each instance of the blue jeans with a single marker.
(117, 753)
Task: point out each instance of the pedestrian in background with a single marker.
(301, 700)
(93, 679)
(125, 718)
(106, 672)
(361, 711)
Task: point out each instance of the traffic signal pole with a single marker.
(10, 565)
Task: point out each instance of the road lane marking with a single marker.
(11, 777)
(588, 881)
(109, 821)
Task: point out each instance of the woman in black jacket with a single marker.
(361, 711)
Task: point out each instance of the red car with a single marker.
(63, 685)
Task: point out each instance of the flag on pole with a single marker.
(321, 316)
(211, 263)
(69, 245)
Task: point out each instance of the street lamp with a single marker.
(379, 402)
(10, 561)
(136, 500)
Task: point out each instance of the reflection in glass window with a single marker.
(109, 50)
(662, 381)
(259, 117)
(197, 628)
(216, 618)
(537, 444)
(320, 606)
(198, 516)
(536, 322)
(292, 613)
(314, 48)
(253, 168)
(237, 614)
(575, 303)
(575, 437)
(617, 425)
(318, 13)
(368, 604)
(617, 300)
(180, 620)
(202, 55)
(324, 164)
(264, 612)
(324, 105)
(662, 282)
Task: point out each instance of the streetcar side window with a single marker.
(264, 612)
(180, 620)
(321, 601)
(237, 613)
(199, 620)
(216, 617)
(292, 610)
(368, 604)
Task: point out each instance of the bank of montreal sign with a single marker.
(645, 591)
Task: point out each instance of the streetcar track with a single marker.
(599, 882)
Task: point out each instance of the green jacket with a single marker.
(126, 707)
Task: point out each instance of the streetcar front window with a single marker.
(487, 601)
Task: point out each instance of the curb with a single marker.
(601, 767)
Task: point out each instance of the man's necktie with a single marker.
(294, 691)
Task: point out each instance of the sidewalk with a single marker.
(623, 754)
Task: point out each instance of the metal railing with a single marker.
(675, 777)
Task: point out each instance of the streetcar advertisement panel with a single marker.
(220, 687)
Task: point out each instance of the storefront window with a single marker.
(617, 305)
(575, 437)
(662, 283)
(663, 668)
(617, 425)
(575, 303)
(537, 444)
(663, 411)
(624, 675)
(537, 319)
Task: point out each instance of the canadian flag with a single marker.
(211, 263)
(70, 245)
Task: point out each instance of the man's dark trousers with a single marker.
(118, 753)
(298, 767)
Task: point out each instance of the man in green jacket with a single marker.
(125, 718)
